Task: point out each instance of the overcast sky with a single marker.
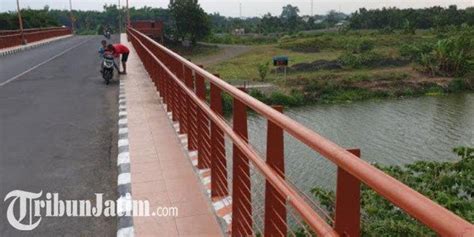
(249, 7)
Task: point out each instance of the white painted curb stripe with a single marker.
(124, 178)
(123, 158)
(206, 180)
(125, 232)
(123, 142)
(123, 130)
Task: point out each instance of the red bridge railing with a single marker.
(14, 38)
(182, 86)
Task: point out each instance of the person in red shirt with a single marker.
(118, 49)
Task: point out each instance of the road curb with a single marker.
(124, 184)
(31, 46)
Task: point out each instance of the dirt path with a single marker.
(227, 52)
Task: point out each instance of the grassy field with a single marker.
(340, 67)
(196, 52)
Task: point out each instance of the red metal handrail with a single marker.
(170, 65)
(32, 35)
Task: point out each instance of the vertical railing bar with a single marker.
(347, 218)
(217, 141)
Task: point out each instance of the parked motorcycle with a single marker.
(108, 67)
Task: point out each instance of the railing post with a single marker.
(183, 105)
(174, 97)
(241, 185)
(161, 81)
(275, 204)
(166, 83)
(218, 162)
(191, 108)
(181, 101)
(203, 127)
(347, 219)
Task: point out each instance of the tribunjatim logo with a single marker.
(26, 210)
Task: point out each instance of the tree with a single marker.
(289, 12)
(289, 16)
(189, 20)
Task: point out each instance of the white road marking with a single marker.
(125, 232)
(206, 180)
(124, 178)
(123, 121)
(228, 218)
(123, 142)
(123, 158)
(124, 204)
(192, 154)
(123, 130)
(39, 65)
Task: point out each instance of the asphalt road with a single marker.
(58, 133)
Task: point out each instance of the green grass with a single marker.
(386, 74)
(245, 67)
(196, 52)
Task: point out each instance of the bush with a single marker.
(447, 183)
(357, 60)
(414, 51)
(305, 45)
(360, 45)
(263, 69)
(257, 94)
(386, 30)
(449, 57)
(279, 98)
(459, 84)
(245, 40)
(295, 98)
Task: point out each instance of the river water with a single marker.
(389, 132)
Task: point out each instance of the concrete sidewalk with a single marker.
(160, 170)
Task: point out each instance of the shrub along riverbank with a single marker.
(335, 67)
(450, 184)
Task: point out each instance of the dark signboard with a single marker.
(280, 61)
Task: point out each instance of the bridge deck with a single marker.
(161, 172)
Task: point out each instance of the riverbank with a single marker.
(450, 184)
(340, 67)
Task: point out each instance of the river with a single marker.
(389, 132)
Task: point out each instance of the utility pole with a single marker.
(20, 22)
(128, 15)
(71, 16)
(312, 8)
(240, 10)
(120, 18)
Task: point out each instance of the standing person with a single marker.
(118, 49)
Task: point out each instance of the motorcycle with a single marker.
(108, 67)
(107, 34)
